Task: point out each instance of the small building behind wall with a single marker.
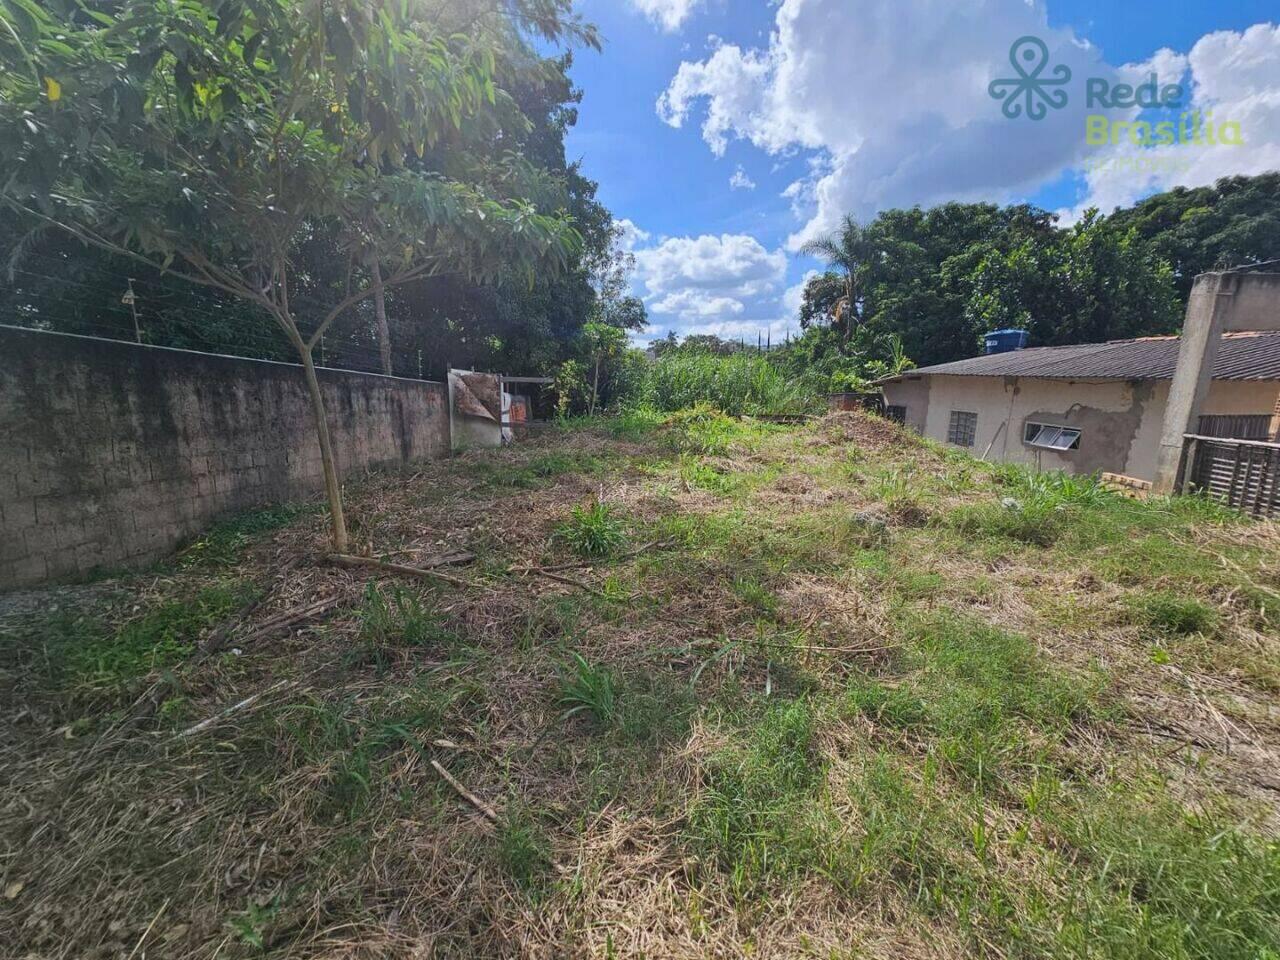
(1092, 407)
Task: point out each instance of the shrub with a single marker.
(592, 531)
(586, 688)
(704, 429)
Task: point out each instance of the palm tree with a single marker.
(846, 251)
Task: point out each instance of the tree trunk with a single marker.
(848, 309)
(331, 485)
(595, 389)
(380, 314)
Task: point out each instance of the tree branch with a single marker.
(405, 276)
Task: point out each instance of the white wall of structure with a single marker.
(1120, 421)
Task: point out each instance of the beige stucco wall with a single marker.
(1120, 420)
(914, 395)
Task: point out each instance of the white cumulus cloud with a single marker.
(728, 284)
(891, 99)
(793, 296)
(740, 180)
(668, 14)
(630, 235)
(1234, 78)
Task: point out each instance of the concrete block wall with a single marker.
(114, 454)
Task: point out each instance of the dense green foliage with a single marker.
(738, 384)
(1236, 221)
(938, 279)
(455, 156)
(301, 158)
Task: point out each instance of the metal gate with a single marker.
(1241, 473)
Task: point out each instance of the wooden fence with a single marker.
(1241, 473)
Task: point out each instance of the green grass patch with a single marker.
(89, 656)
(983, 700)
(224, 543)
(757, 597)
(1155, 880)
(1173, 614)
(593, 531)
(503, 473)
(349, 742)
(522, 850)
(756, 816)
(703, 476)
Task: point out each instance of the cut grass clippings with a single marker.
(757, 690)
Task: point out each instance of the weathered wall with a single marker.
(912, 393)
(1255, 303)
(1120, 420)
(112, 454)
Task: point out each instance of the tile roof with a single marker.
(1253, 355)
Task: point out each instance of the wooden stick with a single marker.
(163, 907)
(291, 618)
(235, 708)
(560, 578)
(466, 794)
(281, 621)
(439, 560)
(586, 563)
(347, 560)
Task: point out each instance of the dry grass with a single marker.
(825, 582)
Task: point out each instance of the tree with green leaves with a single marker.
(211, 139)
(848, 252)
(1234, 222)
(1095, 281)
(603, 343)
(610, 268)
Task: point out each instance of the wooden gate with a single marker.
(1241, 473)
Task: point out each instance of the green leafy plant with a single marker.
(250, 925)
(587, 688)
(398, 619)
(592, 531)
(224, 542)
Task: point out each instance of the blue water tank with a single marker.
(1002, 341)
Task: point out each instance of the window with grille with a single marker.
(1051, 436)
(963, 428)
(896, 412)
(1244, 426)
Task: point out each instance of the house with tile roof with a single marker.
(1101, 407)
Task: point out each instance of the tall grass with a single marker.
(737, 384)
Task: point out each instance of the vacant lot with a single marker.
(706, 688)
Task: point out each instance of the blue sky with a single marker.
(728, 131)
